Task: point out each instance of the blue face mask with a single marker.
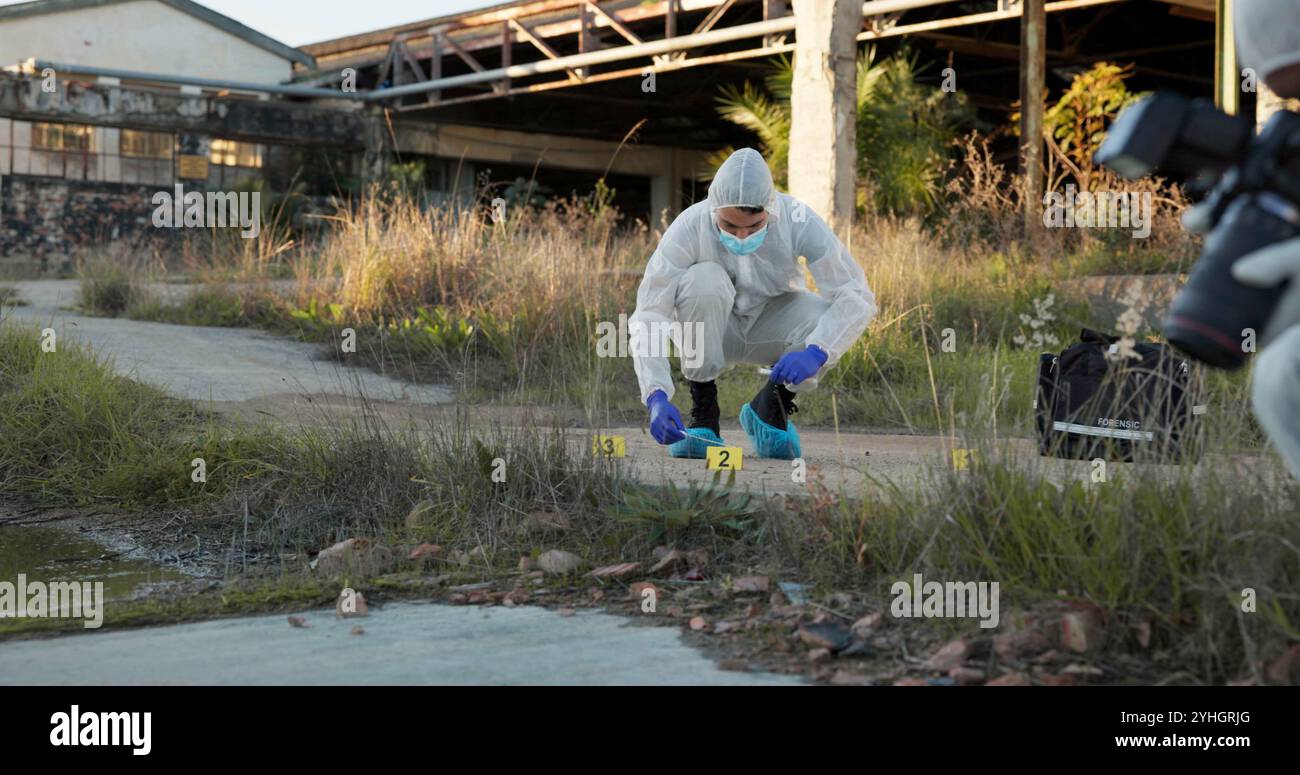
(744, 246)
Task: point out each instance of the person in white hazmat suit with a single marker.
(1268, 37)
(726, 282)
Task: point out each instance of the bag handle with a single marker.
(1096, 337)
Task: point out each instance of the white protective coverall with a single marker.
(747, 308)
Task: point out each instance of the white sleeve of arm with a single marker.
(656, 303)
(840, 281)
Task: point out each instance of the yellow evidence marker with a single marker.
(724, 458)
(611, 446)
(962, 458)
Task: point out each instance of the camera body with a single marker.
(1254, 202)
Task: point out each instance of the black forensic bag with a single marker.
(1089, 406)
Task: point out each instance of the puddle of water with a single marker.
(52, 555)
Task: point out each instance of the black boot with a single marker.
(704, 406)
(774, 404)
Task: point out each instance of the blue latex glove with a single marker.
(665, 421)
(794, 368)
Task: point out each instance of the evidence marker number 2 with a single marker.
(724, 458)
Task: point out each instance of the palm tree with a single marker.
(906, 132)
(765, 113)
(904, 128)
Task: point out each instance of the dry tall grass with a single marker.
(512, 303)
(391, 258)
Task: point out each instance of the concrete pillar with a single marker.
(660, 185)
(1227, 76)
(378, 153)
(1033, 88)
(823, 108)
(666, 189)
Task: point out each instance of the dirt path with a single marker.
(843, 461)
(848, 462)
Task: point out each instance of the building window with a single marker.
(145, 157)
(230, 153)
(59, 150)
(62, 137)
(147, 145)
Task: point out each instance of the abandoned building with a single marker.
(103, 103)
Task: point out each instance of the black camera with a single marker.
(1254, 202)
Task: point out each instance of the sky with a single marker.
(298, 22)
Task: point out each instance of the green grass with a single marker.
(1169, 546)
(214, 305)
(1173, 547)
(108, 288)
(78, 433)
(278, 595)
(9, 297)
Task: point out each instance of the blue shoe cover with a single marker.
(769, 441)
(696, 443)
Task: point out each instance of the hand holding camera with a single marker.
(1253, 207)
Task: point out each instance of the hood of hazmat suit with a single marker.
(1268, 37)
(793, 230)
(743, 180)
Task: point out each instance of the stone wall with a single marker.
(47, 224)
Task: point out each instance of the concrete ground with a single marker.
(405, 644)
(207, 364)
(840, 461)
(848, 462)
